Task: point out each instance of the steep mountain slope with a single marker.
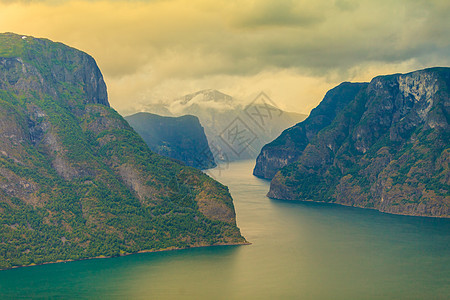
(234, 131)
(181, 138)
(387, 149)
(76, 181)
(288, 147)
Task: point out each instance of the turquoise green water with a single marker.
(299, 251)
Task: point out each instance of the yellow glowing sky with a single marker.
(293, 50)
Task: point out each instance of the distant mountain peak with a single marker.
(205, 99)
(220, 113)
(208, 95)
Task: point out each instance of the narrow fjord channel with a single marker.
(299, 251)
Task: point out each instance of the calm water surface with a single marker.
(299, 251)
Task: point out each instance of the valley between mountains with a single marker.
(78, 181)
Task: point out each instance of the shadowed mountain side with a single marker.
(181, 138)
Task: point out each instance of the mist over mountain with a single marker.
(234, 130)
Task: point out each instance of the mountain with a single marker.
(181, 138)
(382, 145)
(235, 131)
(76, 181)
(288, 147)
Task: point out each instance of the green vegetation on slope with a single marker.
(76, 181)
(387, 149)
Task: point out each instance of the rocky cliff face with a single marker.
(26, 69)
(288, 147)
(76, 181)
(386, 149)
(181, 138)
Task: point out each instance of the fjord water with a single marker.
(299, 251)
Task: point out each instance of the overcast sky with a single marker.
(293, 50)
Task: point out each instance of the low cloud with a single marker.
(295, 50)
